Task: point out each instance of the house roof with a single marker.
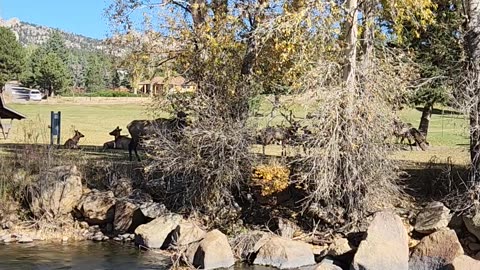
(6, 113)
(177, 80)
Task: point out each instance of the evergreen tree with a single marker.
(94, 79)
(52, 74)
(11, 57)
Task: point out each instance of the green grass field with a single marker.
(448, 133)
(94, 121)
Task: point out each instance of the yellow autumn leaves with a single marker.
(271, 178)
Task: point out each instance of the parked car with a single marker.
(35, 95)
(20, 93)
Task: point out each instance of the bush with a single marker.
(271, 178)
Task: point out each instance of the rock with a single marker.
(283, 253)
(122, 187)
(320, 250)
(327, 264)
(127, 217)
(57, 192)
(118, 239)
(456, 222)
(139, 196)
(286, 228)
(464, 262)
(186, 233)
(153, 210)
(436, 251)
(25, 239)
(339, 247)
(97, 207)
(213, 252)
(386, 245)
(474, 246)
(433, 217)
(8, 238)
(154, 233)
(83, 225)
(473, 225)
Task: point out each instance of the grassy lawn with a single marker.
(94, 121)
(448, 133)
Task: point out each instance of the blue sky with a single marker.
(85, 17)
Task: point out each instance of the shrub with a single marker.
(271, 178)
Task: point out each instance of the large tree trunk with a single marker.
(351, 27)
(473, 49)
(425, 120)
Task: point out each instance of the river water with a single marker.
(83, 255)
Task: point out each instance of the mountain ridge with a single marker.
(33, 34)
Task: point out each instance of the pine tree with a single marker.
(12, 58)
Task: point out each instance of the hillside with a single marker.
(32, 34)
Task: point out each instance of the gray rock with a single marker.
(286, 228)
(339, 247)
(126, 217)
(57, 192)
(473, 225)
(25, 239)
(153, 210)
(327, 264)
(464, 262)
(154, 233)
(213, 252)
(386, 245)
(186, 233)
(283, 253)
(97, 207)
(436, 251)
(122, 187)
(433, 217)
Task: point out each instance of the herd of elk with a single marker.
(290, 135)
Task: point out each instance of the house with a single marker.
(162, 85)
(5, 115)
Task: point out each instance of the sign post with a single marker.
(55, 119)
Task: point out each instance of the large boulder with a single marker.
(473, 224)
(97, 207)
(213, 252)
(154, 233)
(152, 210)
(436, 251)
(433, 217)
(121, 187)
(127, 217)
(283, 253)
(464, 262)
(56, 192)
(386, 245)
(187, 232)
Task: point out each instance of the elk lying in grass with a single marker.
(72, 143)
(120, 142)
(141, 129)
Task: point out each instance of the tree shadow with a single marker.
(440, 112)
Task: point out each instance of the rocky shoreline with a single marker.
(431, 239)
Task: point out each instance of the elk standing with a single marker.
(141, 129)
(72, 143)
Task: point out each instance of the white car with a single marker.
(35, 95)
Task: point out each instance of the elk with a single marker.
(278, 134)
(141, 129)
(404, 131)
(72, 143)
(120, 142)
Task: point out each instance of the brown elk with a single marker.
(72, 143)
(404, 131)
(279, 134)
(141, 129)
(120, 142)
